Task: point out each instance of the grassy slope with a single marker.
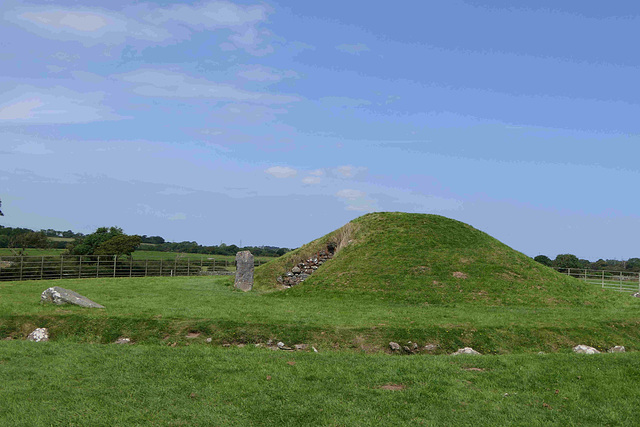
(412, 257)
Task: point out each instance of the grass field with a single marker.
(194, 359)
(62, 383)
(140, 254)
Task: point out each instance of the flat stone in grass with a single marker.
(244, 272)
(61, 296)
(617, 349)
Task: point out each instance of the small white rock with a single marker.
(466, 350)
(617, 349)
(39, 335)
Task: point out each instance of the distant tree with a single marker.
(119, 245)
(599, 264)
(633, 264)
(90, 243)
(567, 261)
(542, 259)
(30, 240)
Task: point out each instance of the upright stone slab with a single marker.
(244, 272)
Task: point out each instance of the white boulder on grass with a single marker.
(39, 335)
(584, 349)
(617, 349)
(466, 350)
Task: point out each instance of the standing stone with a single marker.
(244, 272)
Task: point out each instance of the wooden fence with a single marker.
(77, 267)
(624, 281)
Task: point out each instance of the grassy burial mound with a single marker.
(428, 259)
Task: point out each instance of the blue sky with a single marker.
(273, 123)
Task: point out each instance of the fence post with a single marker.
(160, 267)
(130, 265)
(42, 268)
(115, 257)
(146, 264)
(98, 268)
(80, 267)
(21, 258)
(188, 267)
(620, 281)
(602, 279)
(61, 265)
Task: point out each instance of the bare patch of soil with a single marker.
(393, 387)
(460, 275)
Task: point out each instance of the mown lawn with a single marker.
(63, 383)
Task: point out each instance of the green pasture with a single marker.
(65, 383)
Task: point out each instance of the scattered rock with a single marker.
(282, 346)
(123, 340)
(637, 295)
(466, 350)
(431, 347)
(192, 335)
(303, 270)
(61, 296)
(617, 349)
(39, 335)
(584, 349)
(244, 271)
(301, 347)
(315, 350)
(208, 340)
(394, 346)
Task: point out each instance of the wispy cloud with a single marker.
(149, 82)
(282, 172)
(260, 73)
(356, 200)
(145, 22)
(348, 171)
(353, 49)
(28, 104)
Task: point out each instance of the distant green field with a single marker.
(141, 254)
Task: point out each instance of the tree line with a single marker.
(113, 241)
(572, 261)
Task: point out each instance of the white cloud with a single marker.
(351, 194)
(354, 49)
(176, 85)
(259, 73)
(282, 172)
(356, 200)
(145, 22)
(348, 171)
(312, 180)
(36, 148)
(317, 172)
(89, 26)
(28, 104)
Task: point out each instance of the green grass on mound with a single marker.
(430, 260)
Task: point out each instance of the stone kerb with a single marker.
(244, 271)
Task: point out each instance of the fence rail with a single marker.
(77, 267)
(623, 281)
